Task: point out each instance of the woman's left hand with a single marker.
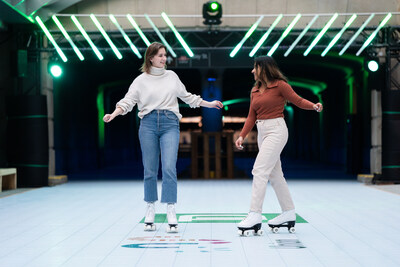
(318, 107)
(216, 104)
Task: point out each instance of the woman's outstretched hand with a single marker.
(216, 104)
(213, 104)
(318, 107)
(108, 118)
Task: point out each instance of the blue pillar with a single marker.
(211, 117)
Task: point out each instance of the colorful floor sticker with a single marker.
(179, 244)
(176, 242)
(216, 217)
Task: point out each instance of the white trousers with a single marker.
(272, 138)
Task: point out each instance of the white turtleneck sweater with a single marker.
(157, 90)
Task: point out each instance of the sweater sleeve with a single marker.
(191, 99)
(130, 99)
(250, 121)
(289, 94)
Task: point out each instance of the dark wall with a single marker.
(19, 72)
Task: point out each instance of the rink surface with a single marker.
(98, 223)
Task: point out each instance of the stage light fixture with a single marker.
(55, 70)
(373, 65)
(212, 13)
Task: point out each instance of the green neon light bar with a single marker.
(82, 30)
(372, 36)
(131, 45)
(356, 34)
(46, 31)
(319, 36)
(66, 35)
(139, 31)
(334, 40)
(265, 36)
(301, 35)
(160, 35)
(177, 34)
(248, 34)
(105, 35)
(284, 34)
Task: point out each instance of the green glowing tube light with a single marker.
(372, 36)
(301, 35)
(105, 35)
(356, 34)
(66, 35)
(46, 31)
(336, 38)
(248, 34)
(177, 34)
(265, 36)
(131, 45)
(139, 31)
(82, 30)
(319, 36)
(284, 34)
(160, 35)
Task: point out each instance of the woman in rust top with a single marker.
(268, 98)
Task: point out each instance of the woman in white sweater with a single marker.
(155, 92)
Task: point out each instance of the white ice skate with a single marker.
(171, 217)
(286, 219)
(149, 218)
(251, 224)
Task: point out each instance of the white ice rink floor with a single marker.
(346, 223)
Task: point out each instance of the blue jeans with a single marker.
(159, 133)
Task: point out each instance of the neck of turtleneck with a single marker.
(157, 71)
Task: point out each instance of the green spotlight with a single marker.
(369, 40)
(284, 34)
(55, 71)
(139, 31)
(319, 36)
(373, 65)
(214, 6)
(177, 34)
(247, 35)
(50, 37)
(265, 36)
(105, 35)
(82, 30)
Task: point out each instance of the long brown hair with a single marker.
(268, 70)
(151, 51)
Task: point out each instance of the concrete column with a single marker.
(46, 82)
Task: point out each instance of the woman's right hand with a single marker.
(239, 143)
(108, 118)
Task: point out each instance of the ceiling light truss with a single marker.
(257, 39)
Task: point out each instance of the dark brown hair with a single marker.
(151, 51)
(268, 70)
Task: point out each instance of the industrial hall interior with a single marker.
(199, 133)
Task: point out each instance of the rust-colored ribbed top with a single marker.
(270, 103)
